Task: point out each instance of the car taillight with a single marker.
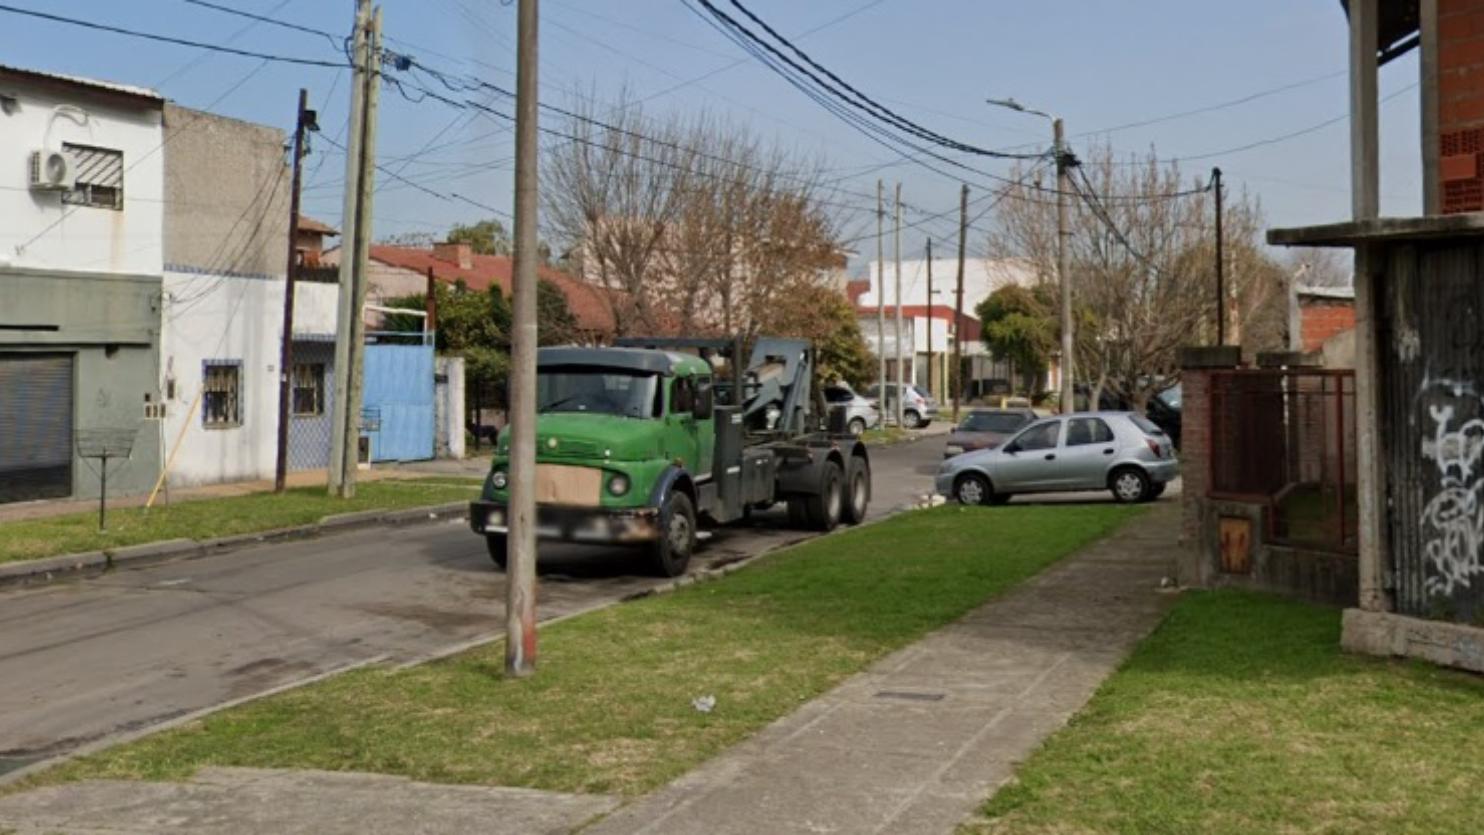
(1153, 447)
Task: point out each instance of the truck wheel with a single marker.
(496, 544)
(826, 507)
(857, 490)
(857, 426)
(677, 540)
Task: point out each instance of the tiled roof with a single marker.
(589, 303)
(309, 224)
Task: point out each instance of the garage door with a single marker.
(35, 426)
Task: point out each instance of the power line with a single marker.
(150, 36)
(335, 41)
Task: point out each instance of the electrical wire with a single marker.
(151, 36)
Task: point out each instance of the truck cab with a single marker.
(644, 445)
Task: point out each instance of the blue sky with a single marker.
(1097, 63)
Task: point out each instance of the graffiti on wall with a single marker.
(1453, 518)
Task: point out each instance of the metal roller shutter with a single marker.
(35, 426)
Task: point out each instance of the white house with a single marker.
(928, 297)
(81, 211)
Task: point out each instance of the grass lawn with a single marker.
(205, 518)
(1239, 715)
(610, 708)
(884, 435)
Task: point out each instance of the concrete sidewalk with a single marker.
(913, 744)
(918, 741)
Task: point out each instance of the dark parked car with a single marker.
(986, 429)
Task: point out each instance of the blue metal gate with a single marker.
(399, 391)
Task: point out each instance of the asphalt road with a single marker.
(89, 659)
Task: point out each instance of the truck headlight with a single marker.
(619, 484)
(499, 480)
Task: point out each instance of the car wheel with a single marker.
(496, 544)
(911, 419)
(971, 489)
(857, 426)
(1130, 485)
(671, 554)
(857, 490)
(825, 508)
(1000, 498)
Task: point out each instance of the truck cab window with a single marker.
(683, 396)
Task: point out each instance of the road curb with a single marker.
(93, 563)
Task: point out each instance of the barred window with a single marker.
(309, 389)
(98, 177)
(221, 397)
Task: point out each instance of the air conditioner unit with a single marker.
(51, 171)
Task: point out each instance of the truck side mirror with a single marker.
(705, 400)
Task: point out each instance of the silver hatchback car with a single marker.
(1121, 452)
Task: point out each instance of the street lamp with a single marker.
(1063, 276)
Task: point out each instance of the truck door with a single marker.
(686, 443)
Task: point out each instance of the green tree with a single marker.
(487, 237)
(470, 324)
(554, 320)
(825, 316)
(1018, 324)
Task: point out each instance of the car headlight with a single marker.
(954, 449)
(499, 480)
(619, 484)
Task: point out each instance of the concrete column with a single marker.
(1432, 203)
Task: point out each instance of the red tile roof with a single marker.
(590, 304)
(309, 224)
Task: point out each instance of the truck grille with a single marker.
(566, 448)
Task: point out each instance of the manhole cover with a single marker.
(911, 697)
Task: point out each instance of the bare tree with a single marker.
(1143, 266)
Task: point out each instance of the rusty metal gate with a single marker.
(1431, 348)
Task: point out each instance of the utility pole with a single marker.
(286, 350)
(897, 251)
(881, 301)
(1220, 265)
(930, 316)
(520, 581)
(343, 441)
(958, 301)
(430, 304)
(1063, 276)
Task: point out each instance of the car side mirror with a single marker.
(1011, 449)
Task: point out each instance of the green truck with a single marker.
(646, 442)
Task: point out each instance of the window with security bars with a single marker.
(98, 177)
(309, 389)
(221, 394)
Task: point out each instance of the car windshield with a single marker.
(600, 390)
(1001, 422)
(1171, 397)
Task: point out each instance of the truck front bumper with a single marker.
(593, 525)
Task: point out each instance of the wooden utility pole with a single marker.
(286, 349)
(1220, 264)
(430, 303)
(520, 581)
(897, 252)
(930, 317)
(958, 301)
(1063, 275)
(881, 300)
(342, 440)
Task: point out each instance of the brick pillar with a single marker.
(1459, 65)
(1196, 366)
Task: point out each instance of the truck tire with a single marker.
(496, 544)
(672, 552)
(857, 490)
(825, 508)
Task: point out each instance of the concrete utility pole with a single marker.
(1220, 264)
(897, 251)
(1063, 275)
(286, 350)
(958, 300)
(367, 188)
(930, 316)
(520, 581)
(881, 300)
(341, 440)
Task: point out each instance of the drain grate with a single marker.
(909, 696)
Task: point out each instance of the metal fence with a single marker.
(1286, 438)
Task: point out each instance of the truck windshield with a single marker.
(600, 390)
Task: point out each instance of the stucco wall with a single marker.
(226, 187)
(52, 235)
